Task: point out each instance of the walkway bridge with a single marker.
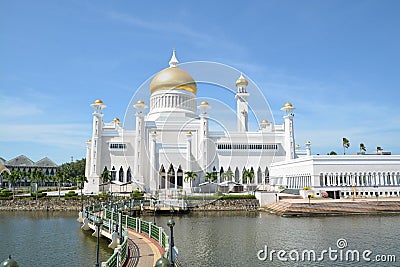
(136, 242)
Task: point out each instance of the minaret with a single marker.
(153, 164)
(289, 132)
(88, 154)
(308, 148)
(242, 109)
(203, 134)
(173, 63)
(186, 185)
(140, 106)
(92, 186)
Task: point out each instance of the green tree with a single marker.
(59, 178)
(105, 177)
(228, 175)
(248, 176)
(346, 144)
(81, 179)
(362, 148)
(13, 178)
(190, 177)
(210, 176)
(37, 176)
(332, 153)
(378, 149)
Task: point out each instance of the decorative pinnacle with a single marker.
(173, 63)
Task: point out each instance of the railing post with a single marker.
(126, 221)
(136, 226)
(140, 226)
(160, 235)
(150, 229)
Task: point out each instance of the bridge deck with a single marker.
(148, 251)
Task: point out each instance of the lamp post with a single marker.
(98, 224)
(377, 195)
(154, 206)
(121, 237)
(309, 200)
(171, 224)
(276, 197)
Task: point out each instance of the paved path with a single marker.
(149, 252)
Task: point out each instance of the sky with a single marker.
(338, 62)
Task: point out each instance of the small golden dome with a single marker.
(241, 81)
(98, 102)
(89, 141)
(204, 103)
(173, 78)
(264, 122)
(308, 143)
(288, 105)
(140, 102)
(116, 120)
(189, 132)
(153, 132)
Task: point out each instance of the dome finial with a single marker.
(173, 63)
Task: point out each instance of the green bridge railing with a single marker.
(113, 217)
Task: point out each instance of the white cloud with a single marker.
(14, 107)
(60, 135)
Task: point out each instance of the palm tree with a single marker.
(211, 176)
(190, 176)
(13, 178)
(105, 177)
(81, 179)
(248, 176)
(346, 145)
(228, 175)
(37, 176)
(362, 148)
(59, 178)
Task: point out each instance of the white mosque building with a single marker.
(172, 136)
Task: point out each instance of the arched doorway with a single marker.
(162, 177)
(179, 176)
(171, 177)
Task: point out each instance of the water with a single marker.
(204, 239)
(48, 239)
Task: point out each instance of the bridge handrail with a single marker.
(111, 217)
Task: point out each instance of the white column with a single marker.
(186, 185)
(153, 163)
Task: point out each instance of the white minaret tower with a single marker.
(153, 163)
(140, 106)
(203, 134)
(242, 109)
(186, 185)
(289, 134)
(308, 148)
(92, 186)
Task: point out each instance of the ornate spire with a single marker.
(173, 63)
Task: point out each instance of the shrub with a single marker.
(71, 194)
(39, 194)
(307, 188)
(282, 187)
(5, 193)
(238, 197)
(137, 194)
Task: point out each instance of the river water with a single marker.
(215, 239)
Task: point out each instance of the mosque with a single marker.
(174, 138)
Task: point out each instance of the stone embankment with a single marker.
(41, 204)
(315, 208)
(228, 205)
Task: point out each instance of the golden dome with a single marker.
(189, 132)
(89, 141)
(241, 81)
(154, 132)
(204, 103)
(173, 78)
(140, 102)
(98, 102)
(288, 105)
(308, 143)
(116, 120)
(264, 121)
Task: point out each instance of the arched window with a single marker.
(237, 175)
(113, 174)
(267, 175)
(179, 176)
(162, 177)
(129, 175)
(171, 176)
(121, 174)
(259, 176)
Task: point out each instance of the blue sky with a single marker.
(338, 62)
